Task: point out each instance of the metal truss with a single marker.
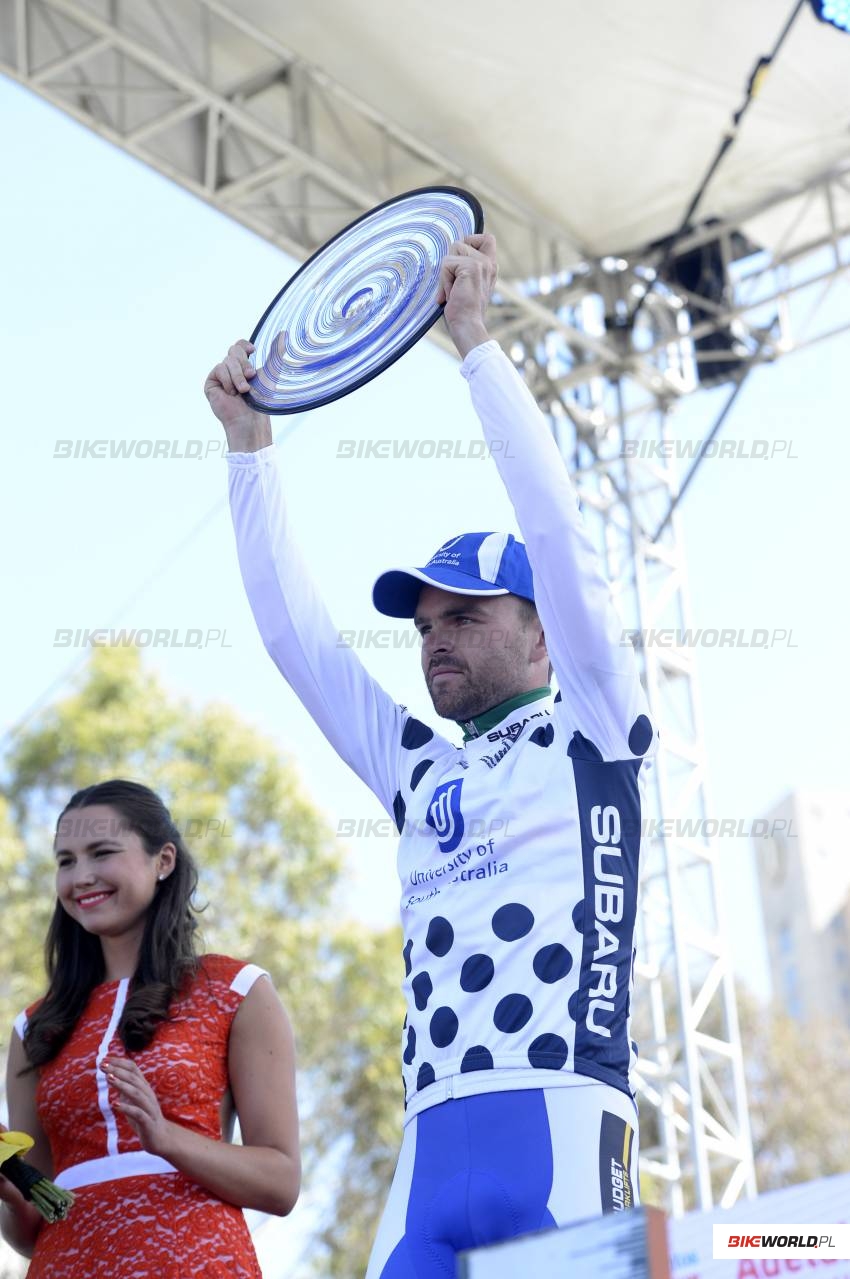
(616, 434)
(695, 1130)
(195, 91)
(198, 94)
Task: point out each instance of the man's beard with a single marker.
(462, 698)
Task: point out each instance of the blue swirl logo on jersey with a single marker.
(445, 817)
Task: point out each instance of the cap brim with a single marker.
(396, 592)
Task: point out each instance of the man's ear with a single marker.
(546, 651)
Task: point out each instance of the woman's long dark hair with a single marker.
(74, 958)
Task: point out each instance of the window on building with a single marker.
(776, 860)
(792, 993)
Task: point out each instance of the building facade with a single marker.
(804, 876)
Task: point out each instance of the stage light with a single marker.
(835, 12)
(702, 272)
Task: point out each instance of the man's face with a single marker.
(477, 651)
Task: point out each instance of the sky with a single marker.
(120, 290)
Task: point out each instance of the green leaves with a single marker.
(798, 1090)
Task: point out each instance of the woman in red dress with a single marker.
(130, 1071)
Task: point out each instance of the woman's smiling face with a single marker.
(105, 878)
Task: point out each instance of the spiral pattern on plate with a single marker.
(359, 303)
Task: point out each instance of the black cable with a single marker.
(724, 413)
(753, 86)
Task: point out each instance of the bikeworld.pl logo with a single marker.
(708, 637)
(139, 637)
(142, 450)
(425, 450)
(665, 450)
(823, 1243)
(79, 824)
(445, 817)
(386, 828)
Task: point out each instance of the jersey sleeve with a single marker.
(360, 720)
(597, 670)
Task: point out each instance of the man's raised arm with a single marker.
(594, 661)
(359, 719)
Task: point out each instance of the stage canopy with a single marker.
(585, 128)
(600, 118)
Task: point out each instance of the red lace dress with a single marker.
(135, 1216)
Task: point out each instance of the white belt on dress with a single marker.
(92, 1172)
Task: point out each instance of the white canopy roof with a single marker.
(601, 117)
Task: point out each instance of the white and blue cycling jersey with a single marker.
(519, 850)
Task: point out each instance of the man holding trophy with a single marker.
(518, 938)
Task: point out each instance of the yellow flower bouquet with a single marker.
(51, 1200)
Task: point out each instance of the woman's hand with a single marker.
(138, 1103)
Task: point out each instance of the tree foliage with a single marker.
(270, 880)
(798, 1091)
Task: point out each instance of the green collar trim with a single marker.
(482, 723)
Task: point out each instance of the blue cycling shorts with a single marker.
(480, 1169)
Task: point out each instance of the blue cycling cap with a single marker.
(470, 564)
